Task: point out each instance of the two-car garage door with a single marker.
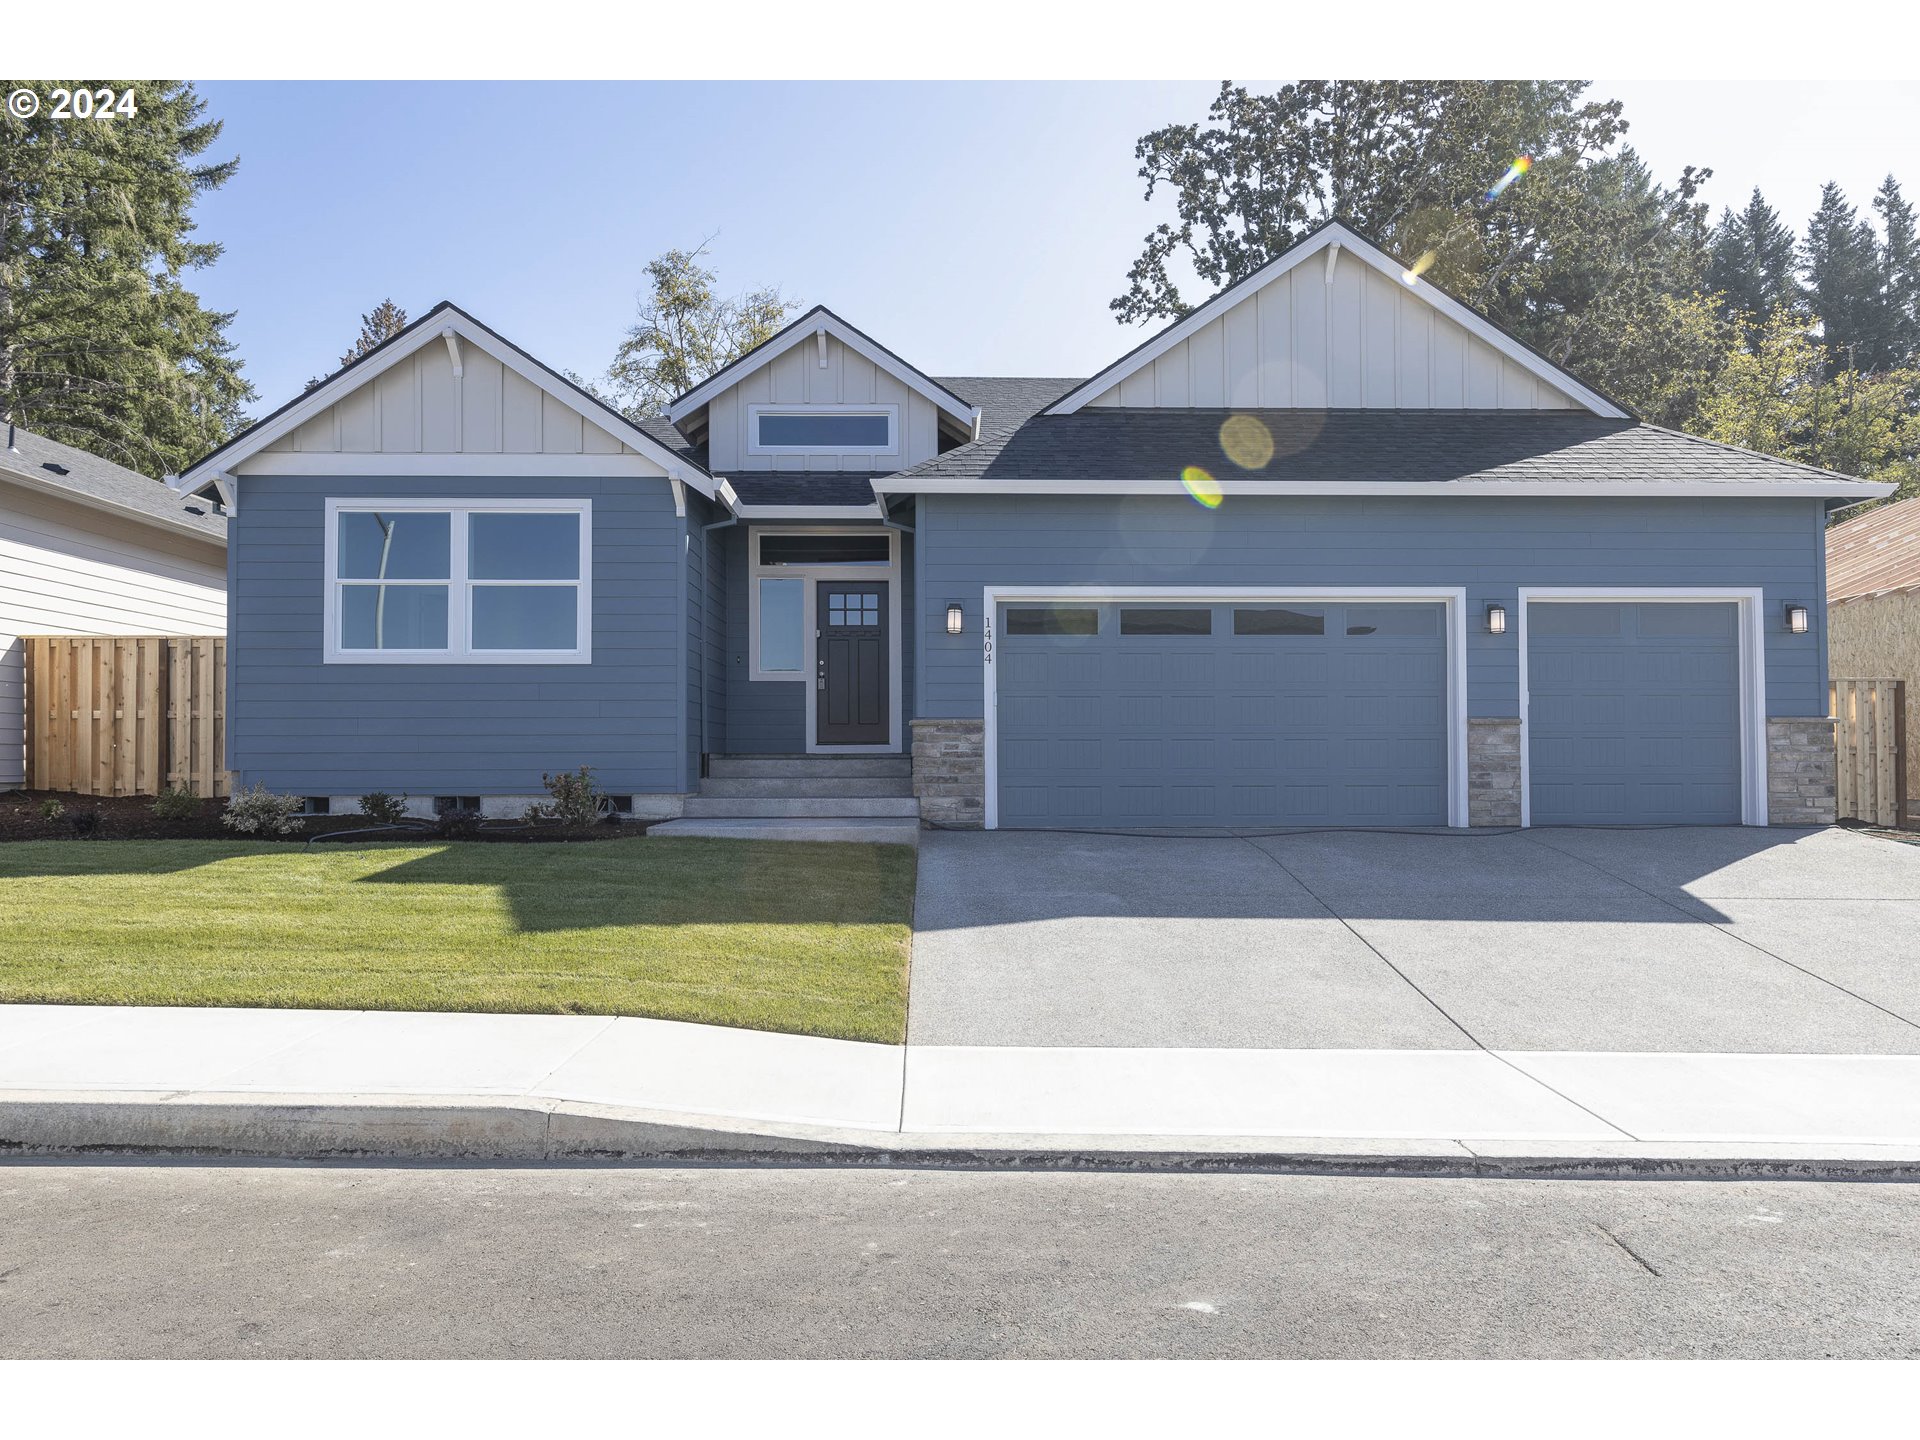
(1158, 713)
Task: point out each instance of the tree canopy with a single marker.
(377, 326)
(102, 345)
(686, 331)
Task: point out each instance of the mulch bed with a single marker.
(131, 817)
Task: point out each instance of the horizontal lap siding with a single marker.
(764, 717)
(1491, 546)
(301, 726)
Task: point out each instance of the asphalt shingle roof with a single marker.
(1877, 553)
(88, 477)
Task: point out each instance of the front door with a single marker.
(851, 683)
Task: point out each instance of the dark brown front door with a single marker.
(850, 680)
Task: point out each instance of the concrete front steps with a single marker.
(865, 798)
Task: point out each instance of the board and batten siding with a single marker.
(301, 726)
(1490, 545)
(797, 377)
(71, 569)
(419, 407)
(1363, 342)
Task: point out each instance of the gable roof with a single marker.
(817, 319)
(431, 327)
(47, 465)
(1383, 452)
(1877, 553)
(1335, 235)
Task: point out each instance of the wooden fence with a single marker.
(1870, 778)
(127, 715)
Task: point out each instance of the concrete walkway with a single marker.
(100, 1075)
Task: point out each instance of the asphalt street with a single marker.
(185, 1259)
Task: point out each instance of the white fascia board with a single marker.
(869, 511)
(801, 332)
(1339, 236)
(454, 464)
(1650, 489)
(181, 526)
(340, 386)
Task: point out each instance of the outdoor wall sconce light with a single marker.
(1796, 619)
(1496, 619)
(956, 618)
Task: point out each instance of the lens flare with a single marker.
(1520, 166)
(1247, 441)
(1420, 267)
(1202, 487)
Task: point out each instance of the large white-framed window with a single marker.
(823, 429)
(421, 581)
(783, 564)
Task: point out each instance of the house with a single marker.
(1873, 609)
(88, 547)
(1331, 550)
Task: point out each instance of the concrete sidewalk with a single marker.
(540, 1086)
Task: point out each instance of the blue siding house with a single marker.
(1332, 550)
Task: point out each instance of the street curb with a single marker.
(514, 1130)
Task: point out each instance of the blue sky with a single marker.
(974, 228)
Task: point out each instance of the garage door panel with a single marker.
(1267, 727)
(1633, 713)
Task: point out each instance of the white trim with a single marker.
(1751, 601)
(906, 484)
(459, 585)
(1453, 597)
(810, 629)
(756, 412)
(799, 333)
(323, 396)
(1339, 236)
(456, 466)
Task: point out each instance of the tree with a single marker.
(1899, 273)
(1412, 164)
(377, 326)
(102, 346)
(1842, 259)
(686, 331)
(1755, 264)
(1670, 357)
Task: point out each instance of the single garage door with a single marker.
(1254, 713)
(1633, 713)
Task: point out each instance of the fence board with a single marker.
(1870, 770)
(126, 715)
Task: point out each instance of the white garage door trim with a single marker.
(1753, 677)
(1453, 598)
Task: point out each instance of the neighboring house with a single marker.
(1331, 550)
(88, 547)
(1873, 609)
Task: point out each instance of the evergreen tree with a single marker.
(1755, 264)
(381, 324)
(1842, 259)
(102, 346)
(1899, 272)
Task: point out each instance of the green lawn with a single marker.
(767, 935)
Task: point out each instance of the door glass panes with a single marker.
(853, 607)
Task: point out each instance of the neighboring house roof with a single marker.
(47, 465)
(429, 329)
(1362, 451)
(1877, 553)
(1336, 236)
(818, 319)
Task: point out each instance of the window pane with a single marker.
(525, 617)
(1274, 620)
(1186, 621)
(507, 546)
(401, 546)
(1053, 620)
(823, 549)
(780, 624)
(1664, 621)
(853, 432)
(1393, 620)
(393, 617)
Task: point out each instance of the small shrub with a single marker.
(577, 801)
(258, 811)
(85, 823)
(382, 808)
(52, 809)
(457, 824)
(176, 802)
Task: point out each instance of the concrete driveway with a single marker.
(1692, 940)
